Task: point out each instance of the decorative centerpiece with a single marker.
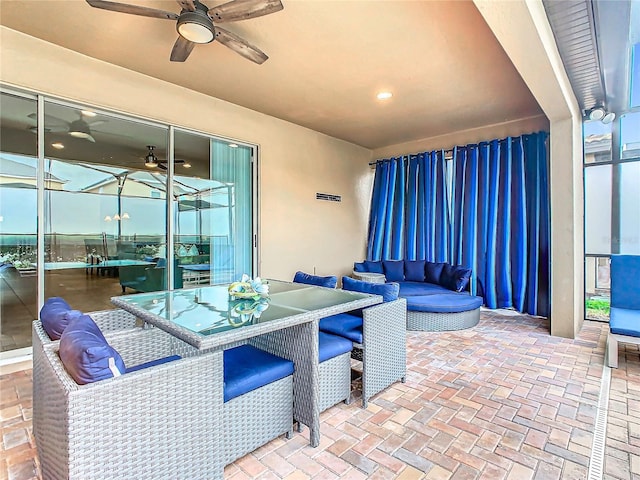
(245, 311)
(248, 288)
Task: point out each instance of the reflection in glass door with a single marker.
(18, 220)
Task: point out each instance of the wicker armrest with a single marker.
(152, 423)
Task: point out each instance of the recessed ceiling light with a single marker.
(233, 145)
(58, 145)
(88, 113)
(384, 95)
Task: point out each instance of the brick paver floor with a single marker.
(503, 400)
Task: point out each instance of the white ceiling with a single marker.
(327, 61)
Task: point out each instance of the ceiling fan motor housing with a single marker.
(196, 26)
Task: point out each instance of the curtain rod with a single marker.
(450, 150)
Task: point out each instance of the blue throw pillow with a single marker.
(55, 315)
(373, 267)
(414, 270)
(393, 270)
(432, 272)
(359, 267)
(455, 277)
(85, 353)
(389, 291)
(329, 282)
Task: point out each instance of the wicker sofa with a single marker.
(436, 293)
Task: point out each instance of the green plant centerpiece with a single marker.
(248, 299)
(248, 288)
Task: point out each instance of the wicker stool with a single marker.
(442, 312)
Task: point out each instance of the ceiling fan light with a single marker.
(608, 118)
(186, 165)
(196, 27)
(151, 161)
(79, 129)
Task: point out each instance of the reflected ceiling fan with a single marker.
(152, 161)
(79, 128)
(195, 23)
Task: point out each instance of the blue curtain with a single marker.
(498, 223)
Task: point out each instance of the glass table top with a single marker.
(210, 310)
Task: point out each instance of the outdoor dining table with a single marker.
(207, 318)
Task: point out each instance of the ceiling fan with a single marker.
(79, 128)
(152, 161)
(195, 23)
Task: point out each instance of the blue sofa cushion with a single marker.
(455, 277)
(373, 267)
(331, 346)
(55, 315)
(408, 289)
(625, 271)
(393, 270)
(330, 281)
(343, 324)
(444, 303)
(624, 321)
(432, 272)
(389, 291)
(414, 270)
(359, 267)
(247, 368)
(153, 363)
(85, 353)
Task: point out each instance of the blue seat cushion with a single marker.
(331, 346)
(153, 363)
(389, 291)
(55, 315)
(373, 267)
(408, 289)
(444, 303)
(329, 282)
(414, 270)
(85, 353)
(624, 321)
(455, 277)
(343, 324)
(247, 368)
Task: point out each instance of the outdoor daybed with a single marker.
(435, 292)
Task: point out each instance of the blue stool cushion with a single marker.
(343, 324)
(85, 353)
(55, 315)
(414, 270)
(373, 267)
(247, 368)
(153, 363)
(331, 346)
(330, 281)
(624, 321)
(443, 303)
(420, 288)
(389, 291)
(393, 270)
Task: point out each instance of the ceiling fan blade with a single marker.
(91, 139)
(243, 10)
(97, 122)
(240, 46)
(187, 5)
(162, 166)
(50, 120)
(133, 9)
(181, 49)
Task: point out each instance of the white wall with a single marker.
(296, 230)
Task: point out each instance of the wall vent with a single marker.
(328, 197)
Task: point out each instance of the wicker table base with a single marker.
(442, 322)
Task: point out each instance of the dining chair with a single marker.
(378, 334)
